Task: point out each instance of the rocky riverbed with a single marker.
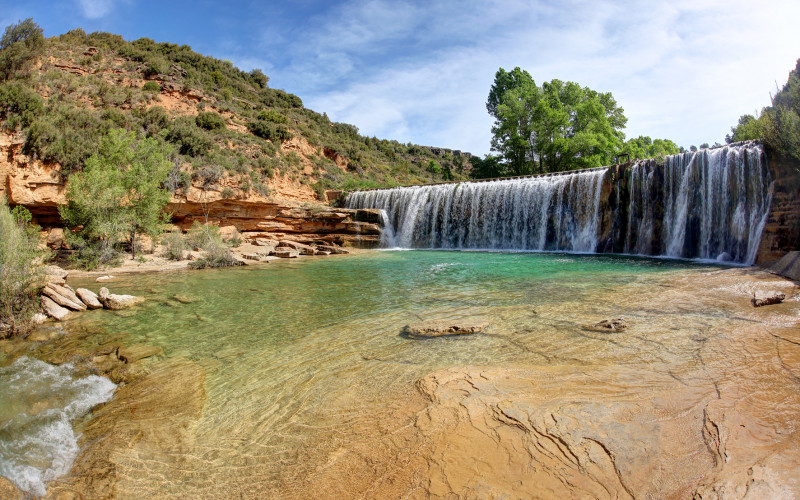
(676, 405)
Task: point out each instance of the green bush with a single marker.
(270, 115)
(269, 131)
(190, 139)
(19, 105)
(20, 274)
(20, 45)
(209, 120)
(174, 245)
(151, 86)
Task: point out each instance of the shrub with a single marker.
(209, 120)
(174, 245)
(151, 86)
(19, 105)
(259, 78)
(190, 139)
(207, 238)
(269, 131)
(270, 115)
(20, 45)
(20, 274)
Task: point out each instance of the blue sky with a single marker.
(420, 71)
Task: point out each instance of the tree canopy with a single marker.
(553, 127)
(20, 45)
(119, 193)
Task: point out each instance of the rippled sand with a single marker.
(699, 396)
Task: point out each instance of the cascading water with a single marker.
(709, 205)
(537, 213)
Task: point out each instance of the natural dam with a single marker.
(707, 205)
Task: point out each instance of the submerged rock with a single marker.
(609, 325)
(762, 298)
(116, 302)
(438, 328)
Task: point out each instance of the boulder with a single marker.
(117, 302)
(63, 296)
(89, 298)
(332, 249)
(104, 278)
(766, 298)
(301, 248)
(134, 353)
(285, 253)
(438, 328)
(609, 325)
(54, 310)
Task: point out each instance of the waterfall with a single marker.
(558, 212)
(708, 205)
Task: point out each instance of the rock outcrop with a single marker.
(438, 328)
(767, 298)
(116, 302)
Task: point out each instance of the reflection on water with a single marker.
(296, 353)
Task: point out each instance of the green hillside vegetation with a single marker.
(777, 125)
(65, 93)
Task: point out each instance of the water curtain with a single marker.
(709, 205)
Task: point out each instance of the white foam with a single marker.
(38, 403)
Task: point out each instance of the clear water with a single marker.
(296, 353)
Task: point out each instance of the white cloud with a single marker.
(417, 72)
(95, 9)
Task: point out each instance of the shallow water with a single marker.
(298, 355)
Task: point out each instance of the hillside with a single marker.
(235, 138)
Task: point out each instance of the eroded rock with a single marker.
(54, 310)
(117, 302)
(89, 298)
(64, 297)
(766, 298)
(438, 327)
(609, 325)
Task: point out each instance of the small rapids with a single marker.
(38, 404)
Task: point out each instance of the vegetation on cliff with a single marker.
(20, 272)
(777, 125)
(64, 94)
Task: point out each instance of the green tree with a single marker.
(779, 124)
(20, 272)
(644, 147)
(553, 127)
(119, 193)
(21, 44)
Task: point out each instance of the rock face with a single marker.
(766, 298)
(116, 302)
(438, 328)
(788, 266)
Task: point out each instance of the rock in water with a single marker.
(438, 328)
(609, 325)
(89, 298)
(116, 302)
(54, 310)
(762, 298)
(63, 296)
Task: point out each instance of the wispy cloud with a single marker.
(95, 9)
(416, 72)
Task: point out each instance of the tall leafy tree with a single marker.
(20, 45)
(119, 193)
(553, 127)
